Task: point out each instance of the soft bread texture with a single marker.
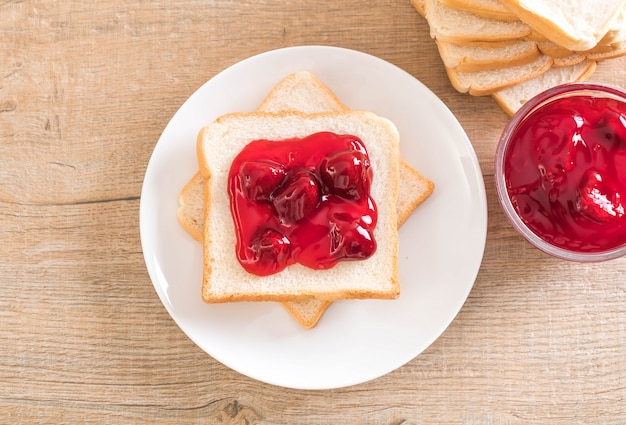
(225, 280)
(304, 92)
(513, 98)
(574, 24)
(481, 58)
(482, 83)
(465, 28)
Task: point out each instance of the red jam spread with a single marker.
(565, 171)
(302, 200)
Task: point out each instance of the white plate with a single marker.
(441, 245)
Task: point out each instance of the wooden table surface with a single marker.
(86, 89)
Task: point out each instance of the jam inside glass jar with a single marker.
(564, 172)
(302, 200)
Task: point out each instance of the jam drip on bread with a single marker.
(302, 200)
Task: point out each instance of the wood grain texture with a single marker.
(86, 89)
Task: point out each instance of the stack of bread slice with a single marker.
(515, 49)
(303, 98)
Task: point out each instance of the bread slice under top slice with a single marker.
(302, 91)
(576, 25)
(482, 58)
(465, 28)
(225, 280)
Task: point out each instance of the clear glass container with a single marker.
(510, 132)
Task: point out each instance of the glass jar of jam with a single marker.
(560, 171)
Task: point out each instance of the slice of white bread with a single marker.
(465, 28)
(482, 58)
(225, 280)
(576, 25)
(511, 99)
(617, 33)
(491, 9)
(486, 82)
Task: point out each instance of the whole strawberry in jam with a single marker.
(260, 178)
(597, 201)
(297, 198)
(346, 239)
(358, 242)
(268, 252)
(347, 174)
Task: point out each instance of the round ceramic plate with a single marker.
(441, 244)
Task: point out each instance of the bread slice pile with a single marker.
(299, 101)
(515, 49)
